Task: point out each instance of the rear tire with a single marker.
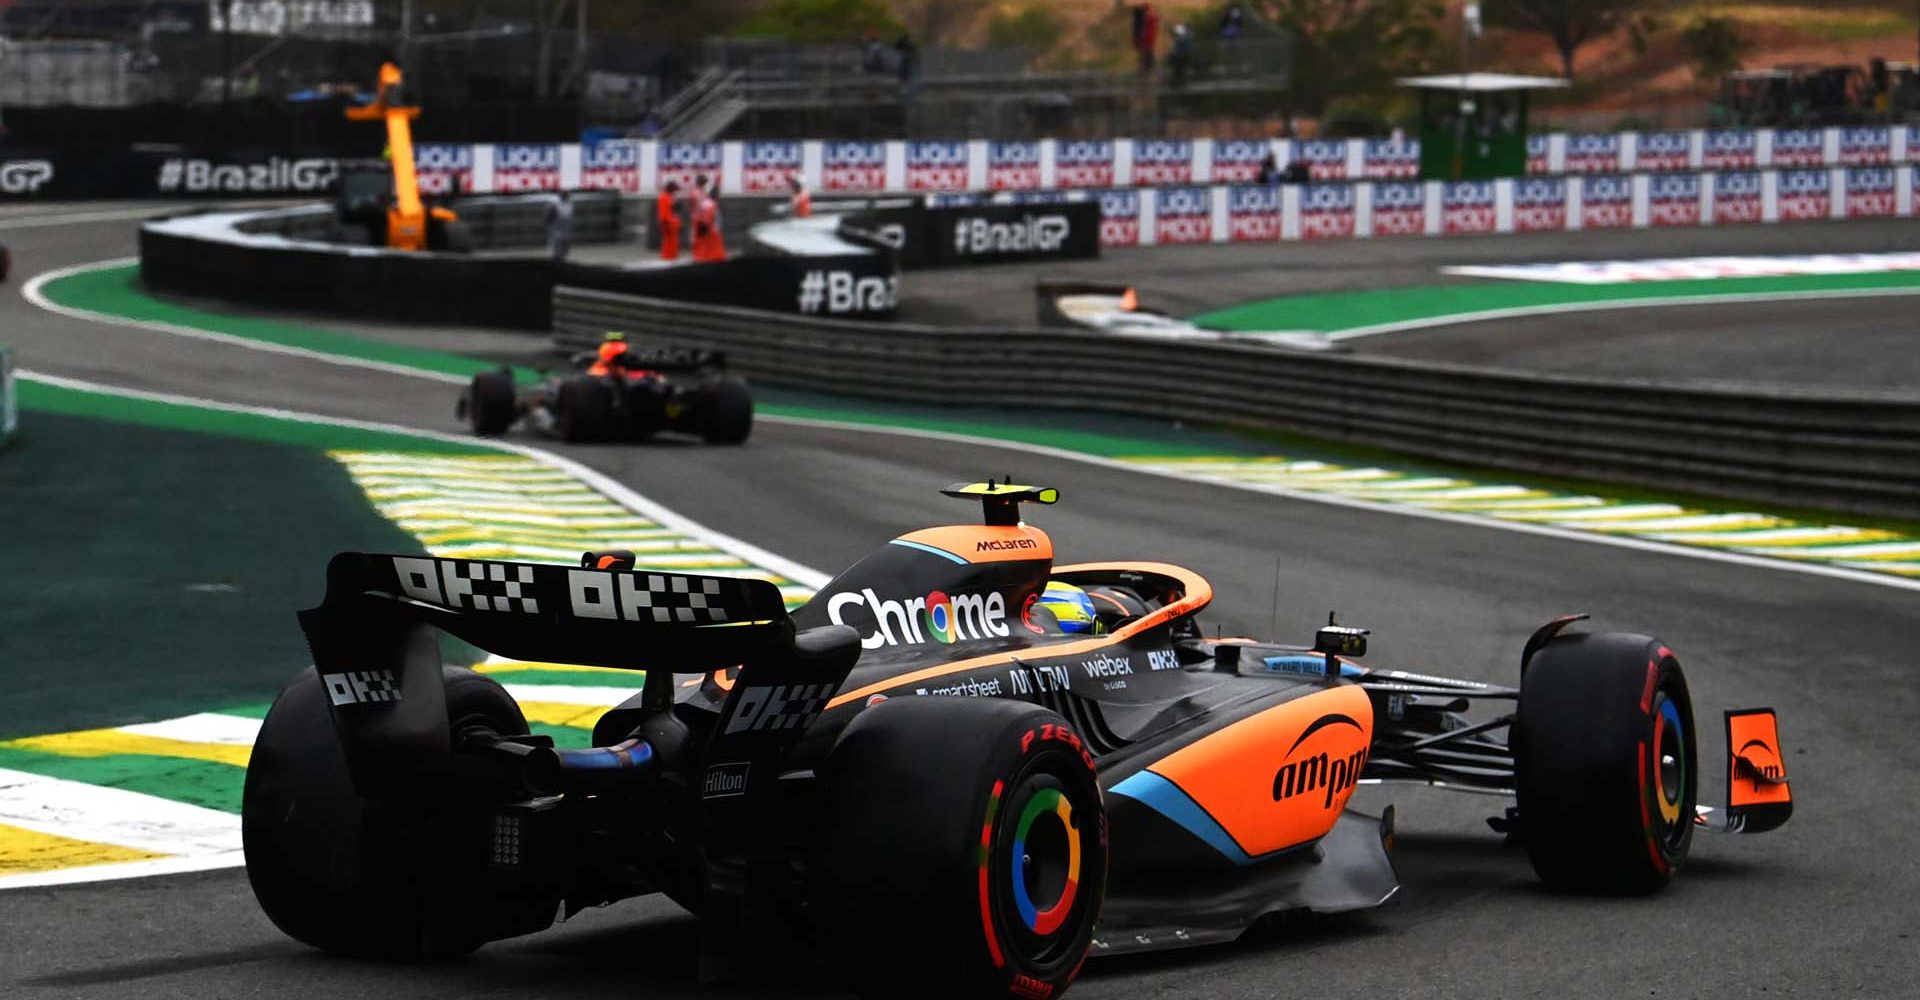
(1608, 772)
(963, 850)
(729, 412)
(342, 873)
(490, 403)
(583, 410)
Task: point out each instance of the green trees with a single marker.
(1343, 48)
(1569, 23)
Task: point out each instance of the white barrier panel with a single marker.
(1252, 213)
(870, 167)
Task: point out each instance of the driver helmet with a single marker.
(1071, 607)
(613, 345)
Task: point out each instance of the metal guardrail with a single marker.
(1856, 453)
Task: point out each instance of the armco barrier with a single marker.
(1857, 453)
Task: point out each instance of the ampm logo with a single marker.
(1183, 215)
(1083, 163)
(768, 166)
(1013, 165)
(1539, 204)
(1326, 210)
(1736, 197)
(1674, 199)
(853, 166)
(1162, 161)
(1399, 208)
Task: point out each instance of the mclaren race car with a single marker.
(923, 773)
(629, 395)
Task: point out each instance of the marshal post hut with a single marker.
(1473, 126)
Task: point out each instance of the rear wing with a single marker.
(663, 358)
(636, 619)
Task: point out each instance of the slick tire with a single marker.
(729, 412)
(489, 404)
(341, 873)
(1608, 773)
(583, 411)
(962, 852)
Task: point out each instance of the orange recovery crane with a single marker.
(407, 217)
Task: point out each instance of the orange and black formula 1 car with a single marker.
(630, 396)
(921, 770)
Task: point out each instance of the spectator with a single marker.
(873, 55)
(560, 226)
(1181, 55)
(1296, 173)
(909, 67)
(1232, 22)
(1146, 35)
(802, 203)
(1269, 169)
(667, 216)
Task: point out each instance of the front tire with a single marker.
(1608, 772)
(963, 851)
(489, 406)
(345, 874)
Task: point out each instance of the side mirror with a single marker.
(1341, 640)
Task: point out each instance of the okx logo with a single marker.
(937, 617)
(1335, 750)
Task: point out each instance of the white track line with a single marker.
(1605, 305)
(202, 727)
(102, 815)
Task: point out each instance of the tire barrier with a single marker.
(302, 258)
(1851, 452)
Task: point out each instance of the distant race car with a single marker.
(958, 771)
(649, 391)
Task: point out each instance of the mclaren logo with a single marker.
(1005, 545)
(1333, 774)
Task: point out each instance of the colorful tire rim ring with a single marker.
(1669, 739)
(1046, 801)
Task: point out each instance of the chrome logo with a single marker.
(938, 617)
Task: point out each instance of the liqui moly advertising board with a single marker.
(1673, 199)
(1120, 217)
(853, 166)
(444, 167)
(1538, 158)
(1805, 194)
(1593, 153)
(769, 166)
(1539, 204)
(1730, 149)
(1162, 161)
(686, 162)
(1663, 151)
(1013, 166)
(1737, 197)
(1870, 192)
(1325, 159)
(610, 166)
(1399, 208)
(1388, 158)
(1799, 147)
(1182, 215)
(1866, 146)
(1467, 207)
(937, 166)
(1083, 163)
(1237, 161)
(526, 167)
(1606, 201)
(1253, 213)
(1326, 211)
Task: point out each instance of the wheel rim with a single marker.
(1046, 862)
(1672, 774)
(1038, 852)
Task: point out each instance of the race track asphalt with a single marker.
(1824, 906)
